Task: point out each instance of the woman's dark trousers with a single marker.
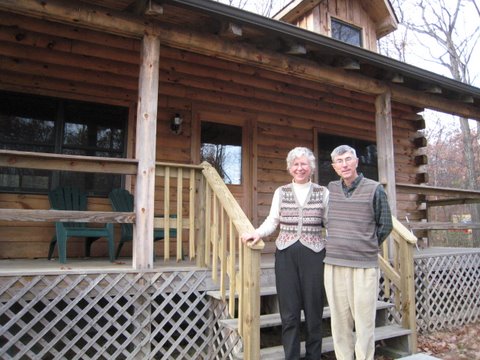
(299, 281)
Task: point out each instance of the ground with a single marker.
(460, 343)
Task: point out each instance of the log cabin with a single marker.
(192, 106)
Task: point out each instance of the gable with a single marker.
(375, 14)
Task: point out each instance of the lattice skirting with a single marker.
(111, 316)
(447, 290)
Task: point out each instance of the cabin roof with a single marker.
(270, 34)
(267, 34)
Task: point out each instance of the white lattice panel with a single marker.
(110, 316)
(447, 290)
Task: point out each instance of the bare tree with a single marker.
(446, 32)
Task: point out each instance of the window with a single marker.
(221, 146)
(366, 153)
(347, 33)
(44, 124)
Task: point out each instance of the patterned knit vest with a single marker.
(301, 223)
(352, 239)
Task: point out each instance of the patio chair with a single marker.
(70, 198)
(122, 200)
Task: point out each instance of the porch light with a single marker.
(176, 124)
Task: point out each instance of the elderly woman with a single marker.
(300, 209)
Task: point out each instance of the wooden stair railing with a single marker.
(399, 272)
(225, 221)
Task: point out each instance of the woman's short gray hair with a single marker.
(299, 152)
(342, 149)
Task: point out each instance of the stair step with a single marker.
(381, 333)
(268, 320)
(264, 291)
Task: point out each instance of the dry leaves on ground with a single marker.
(460, 343)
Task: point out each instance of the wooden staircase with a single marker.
(390, 338)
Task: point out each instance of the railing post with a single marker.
(408, 293)
(251, 304)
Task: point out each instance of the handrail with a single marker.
(227, 222)
(400, 274)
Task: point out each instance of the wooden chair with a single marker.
(122, 200)
(69, 198)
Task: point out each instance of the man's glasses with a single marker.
(347, 160)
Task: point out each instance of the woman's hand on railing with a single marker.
(250, 239)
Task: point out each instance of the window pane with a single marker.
(28, 124)
(366, 153)
(346, 33)
(44, 124)
(221, 146)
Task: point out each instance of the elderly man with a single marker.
(359, 220)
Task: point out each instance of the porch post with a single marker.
(145, 152)
(386, 155)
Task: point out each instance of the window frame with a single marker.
(347, 25)
(110, 119)
(324, 147)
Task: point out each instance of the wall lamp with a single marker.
(176, 124)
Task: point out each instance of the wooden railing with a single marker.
(215, 221)
(440, 197)
(205, 211)
(225, 221)
(398, 271)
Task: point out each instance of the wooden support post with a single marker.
(251, 305)
(145, 153)
(385, 153)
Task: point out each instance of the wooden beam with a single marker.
(430, 225)
(67, 216)
(421, 160)
(420, 142)
(385, 151)
(143, 249)
(90, 164)
(133, 26)
(446, 202)
(296, 49)
(439, 191)
(89, 16)
(432, 89)
(231, 30)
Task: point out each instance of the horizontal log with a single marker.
(430, 225)
(35, 160)
(127, 25)
(447, 202)
(67, 216)
(439, 191)
(90, 16)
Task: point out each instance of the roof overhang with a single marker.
(265, 38)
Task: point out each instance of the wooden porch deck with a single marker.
(97, 265)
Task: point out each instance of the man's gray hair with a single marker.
(342, 149)
(299, 152)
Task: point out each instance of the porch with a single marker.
(104, 310)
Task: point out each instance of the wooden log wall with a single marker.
(53, 59)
